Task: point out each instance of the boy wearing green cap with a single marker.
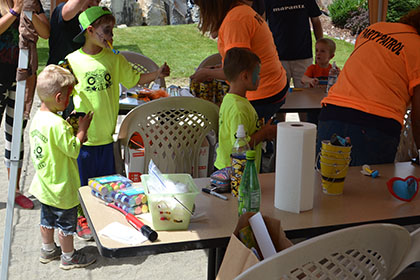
(99, 72)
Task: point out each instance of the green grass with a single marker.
(181, 46)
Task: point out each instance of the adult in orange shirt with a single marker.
(236, 24)
(379, 80)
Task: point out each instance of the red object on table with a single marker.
(139, 225)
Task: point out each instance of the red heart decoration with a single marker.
(396, 180)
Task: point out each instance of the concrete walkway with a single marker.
(26, 244)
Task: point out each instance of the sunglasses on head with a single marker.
(404, 189)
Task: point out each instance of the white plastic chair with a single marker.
(211, 60)
(373, 251)
(143, 64)
(172, 129)
(413, 255)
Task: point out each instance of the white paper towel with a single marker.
(295, 157)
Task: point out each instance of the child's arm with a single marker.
(311, 81)
(267, 132)
(84, 123)
(163, 71)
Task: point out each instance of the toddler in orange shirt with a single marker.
(317, 74)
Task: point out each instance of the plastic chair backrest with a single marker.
(143, 64)
(371, 251)
(211, 60)
(172, 129)
(413, 254)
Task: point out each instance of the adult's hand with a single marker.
(7, 20)
(17, 6)
(201, 75)
(73, 7)
(208, 74)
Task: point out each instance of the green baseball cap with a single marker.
(87, 18)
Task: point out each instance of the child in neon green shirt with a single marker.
(99, 72)
(242, 68)
(54, 150)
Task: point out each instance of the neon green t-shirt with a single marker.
(235, 110)
(99, 77)
(54, 152)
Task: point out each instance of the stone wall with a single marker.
(162, 12)
(147, 12)
(126, 12)
(157, 12)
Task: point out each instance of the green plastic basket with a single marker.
(171, 211)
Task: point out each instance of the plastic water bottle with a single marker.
(249, 196)
(238, 159)
(332, 76)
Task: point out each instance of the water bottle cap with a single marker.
(250, 154)
(241, 131)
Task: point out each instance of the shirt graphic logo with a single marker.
(98, 80)
(289, 8)
(385, 40)
(38, 151)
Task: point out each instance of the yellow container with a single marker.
(171, 211)
(333, 151)
(334, 164)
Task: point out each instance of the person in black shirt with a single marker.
(64, 27)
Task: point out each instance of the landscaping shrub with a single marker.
(357, 21)
(341, 10)
(398, 8)
(354, 14)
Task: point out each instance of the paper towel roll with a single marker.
(295, 173)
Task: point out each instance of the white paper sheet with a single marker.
(123, 234)
(262, 236)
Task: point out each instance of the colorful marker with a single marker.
(214, 193)
(371, 172)
(112, 48)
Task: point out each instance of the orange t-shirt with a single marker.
(381, 73)
(316, 71)
(244, 28)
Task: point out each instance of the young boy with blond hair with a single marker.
(317, 74)
(242, 69)
(54, 150)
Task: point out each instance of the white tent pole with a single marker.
(14, 160)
